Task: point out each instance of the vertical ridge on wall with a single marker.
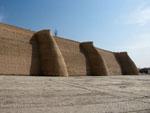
(95, 61)
(113, 67)
(52, 61)
(75, 60)
(25, 52)
(127, 65)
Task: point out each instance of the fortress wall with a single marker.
(111, 62)
(20, 55)
(94, 59)
(51, 60)
(127, 65)
(74, 58)
(15, 33)
(16, 52)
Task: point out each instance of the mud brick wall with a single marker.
(16, 52)
(74, 58)
(127, 65)
(94, 60)
(51, 60)
(23, 54)
(112, 65)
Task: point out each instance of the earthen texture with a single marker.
(110, 61)
(98, 94)
(16, 51)
(127, 65)
(74, 58)
(96, 66)
(51, 60)
(24, 52)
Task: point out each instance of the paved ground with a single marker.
(109, 94)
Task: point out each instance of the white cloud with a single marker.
(139, 41)
(140, 56)
(140, 15)
(137, 44)
(138, 48)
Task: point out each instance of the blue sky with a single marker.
(116, 25)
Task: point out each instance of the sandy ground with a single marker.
(105, 94)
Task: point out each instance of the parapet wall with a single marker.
(24, 52)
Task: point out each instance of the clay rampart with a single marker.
(16, 51)
(95, 61)
(113, 67)
(24, 52)
(74, 58)
(127, 65)
(50, 57)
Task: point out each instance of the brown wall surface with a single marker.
(95, 61)
(127, 65)
(51, 60)
(112, 65)
(16, 51)
(74, 58)
(20, 54)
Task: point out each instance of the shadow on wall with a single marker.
(127, 65)
(88, 72)
(35, 68)
(94, 62)
(47, 59)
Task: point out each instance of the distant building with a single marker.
(149, 71)
(145, 70)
